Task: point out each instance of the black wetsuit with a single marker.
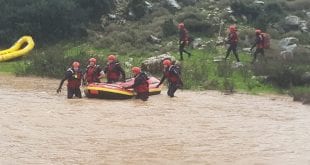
(114, 71)
(174, 79)
(74, 82)
(183, 41)
(259, 43)
(141, 86)
(232, 41)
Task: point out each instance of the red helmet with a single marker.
(136, 70)
(181, 25)
(167, 62)
(76, 64)
(232, 28)
(92, 60)
(258, 31)
(112, 57)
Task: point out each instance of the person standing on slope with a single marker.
(232, 40)
(259, 43)
(183, 40)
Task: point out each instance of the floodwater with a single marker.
(38, 126)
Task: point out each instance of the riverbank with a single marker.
(39, 126)
(216, 76)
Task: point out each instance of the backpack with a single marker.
(266, 40)
(176, 69)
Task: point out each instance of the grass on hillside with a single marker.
(201, 72)
(11, 66)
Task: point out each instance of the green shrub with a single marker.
(96, 8)
(301, 93)
(138, 7)
(169, 28)
(281, 73)
(247, 8)
(49, 20)
(298, 5)
(52, 62)
(259, 16)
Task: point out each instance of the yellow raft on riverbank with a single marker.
(23, 46)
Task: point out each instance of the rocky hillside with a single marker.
(151, 25)
(148, 28)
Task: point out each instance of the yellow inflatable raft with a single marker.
(23, 46)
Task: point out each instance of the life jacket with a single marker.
(233, 38)
(173, 74)
(184, 35)
(144, 86)
(92, 74)
(260, 44)
(112, 73)
(75, 80)
(266, 40)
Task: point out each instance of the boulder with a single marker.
(259, 2)
(288, 47)
(308, 14)
(173, 4)
(292, 20)
(229, 10)
(154, 64)
(237, 65)
(154, 39)
(149, 5)
(170, 44)
(303, 26)
(247, 50)
(233, 18)
(220, 41)
(286, 55)
(112, 16)
(285, 42)
(198, 42)
(291, 48)
(218, 59)
(244, 18)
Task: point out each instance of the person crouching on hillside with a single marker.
(74, 77)
(114, 71)
(141, 86)
(172, 73)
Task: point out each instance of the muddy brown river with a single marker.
(38, 126)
